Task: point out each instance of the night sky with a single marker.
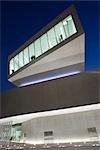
(21, 20)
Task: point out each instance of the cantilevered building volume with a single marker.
(53, 52)
(56, 103)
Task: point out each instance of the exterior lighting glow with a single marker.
(50, 78)
(26, 117)
(63, 141)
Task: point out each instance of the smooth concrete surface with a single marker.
(66, 92)
(50, 75)
(69, 54)
(78, 129)
(69, 11)
(66, 128)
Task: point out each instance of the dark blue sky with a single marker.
(21, 20)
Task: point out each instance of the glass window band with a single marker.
(48, 40)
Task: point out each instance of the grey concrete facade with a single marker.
(67, 53)
(66, 92)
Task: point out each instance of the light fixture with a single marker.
(97, 144)
(62, 146)
(62, 142)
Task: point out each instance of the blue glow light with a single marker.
(49, 78)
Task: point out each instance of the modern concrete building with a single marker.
(57, 49)
(56, 104)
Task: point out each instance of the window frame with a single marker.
(69, 11)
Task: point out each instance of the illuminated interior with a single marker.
(54, 36)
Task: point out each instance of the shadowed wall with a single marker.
(76, 90)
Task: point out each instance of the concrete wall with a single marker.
(69, 54)
(65, 92)
(66, 128)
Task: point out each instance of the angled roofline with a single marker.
(69, 11)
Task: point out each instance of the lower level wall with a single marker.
(75, 90)
(77, 127)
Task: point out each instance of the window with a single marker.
(48, 136)
(16, 65)
(66, 27)
(5, 131)
(11, 66)
(60, 33)
(55, 35)
(48, 133)
(44, 43)
(26, 56)
(92, 131)
(51, 38)
(16, 132)
(69, 26)
(31, 52)
(21, 63)
(37, 48)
